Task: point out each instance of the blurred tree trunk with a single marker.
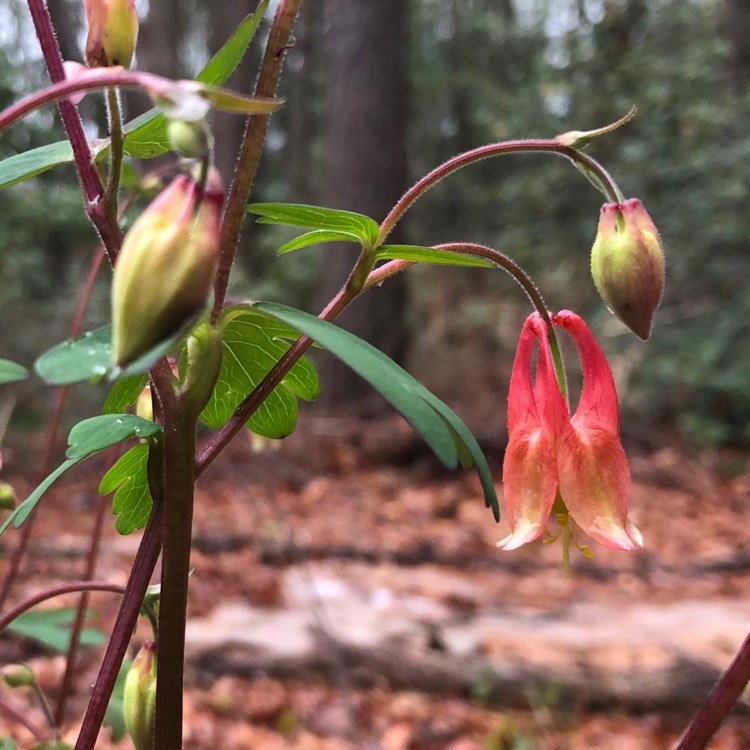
(737, 30)
(365, 153)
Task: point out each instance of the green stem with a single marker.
(115, 154)
(585, 162)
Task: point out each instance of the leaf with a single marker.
(89, 357)
(443, 431)
(20, 167)
(6, 743)
(317, 237)
(132, 502)
(253, 344)
(11, 372)
(146, 136)
(124, 393)
(429, 255)
(86, 438)
(97, 433)
(362, 227)
(52, 628)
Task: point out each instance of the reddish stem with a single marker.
(20, 716)
(712, 713)
(64, 588)
(251, 149)
(54, 426)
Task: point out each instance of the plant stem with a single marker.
(64, 588)
(92, 556)
(115, 153)
(53, 429)
(485, 152)
(109, 231)
(127, 616)
(21, 717)
(712, 713)
(251, 149)
(179, 482)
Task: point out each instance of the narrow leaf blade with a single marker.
(420, 254)
(316, 237)
(27, 164)
(317, 217)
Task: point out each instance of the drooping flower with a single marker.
(627, 264)
(550, 452)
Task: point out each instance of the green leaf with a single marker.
(146, 136)
(11, 372)
(316, 237)
(124, 393)
(429, 255)
(132, 502)
(443, 431)
(253, 343)
(52, 628)
(86, 438)
(316, 217)
(97, 433)
(6, 743)
(20, 167)
(89, 357)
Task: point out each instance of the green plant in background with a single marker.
(242, 365)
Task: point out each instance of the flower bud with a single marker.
(7, 496)
(139, 697)
(19, 675)
(627, 263)
(165, 270)
(113, 32)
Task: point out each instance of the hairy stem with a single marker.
(115, 153)
(251, 149)
(485, 152)
(712, 713)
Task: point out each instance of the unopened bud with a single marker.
(18, 675)
(165, 270)
(7, 496)
(144, 405)
(627, 263)
(139, 698)
(187, 138)
(112, 34)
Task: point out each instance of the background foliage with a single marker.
(483, 70)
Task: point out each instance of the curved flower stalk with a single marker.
(550, 452)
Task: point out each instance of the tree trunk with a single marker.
(365, 135)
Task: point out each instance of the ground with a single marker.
(347, 593)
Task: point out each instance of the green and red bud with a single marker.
(139, 697)
(112, 33)
(627, 263)
(165, 270)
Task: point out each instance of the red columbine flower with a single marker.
(550, 451)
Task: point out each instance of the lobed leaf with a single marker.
(363, 228)
(128, 479)
(441, 428)
(89, 357)
(253, 343)
(124, 393)
(86, 438)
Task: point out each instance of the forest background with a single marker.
(461, 73)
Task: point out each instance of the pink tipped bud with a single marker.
(139, 698)
(627, 263)
(166, 268)
(112, 34)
